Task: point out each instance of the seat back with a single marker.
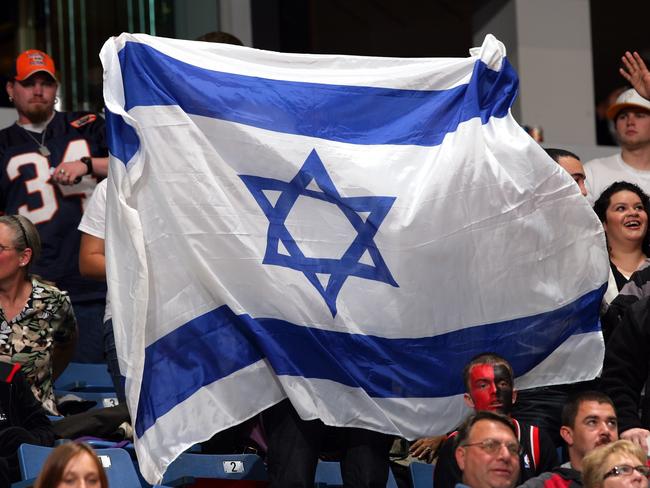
(117, 464)
(421, 475)
(328, 474)
(85, 377)
(216, 466)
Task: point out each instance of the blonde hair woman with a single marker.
(616, 465)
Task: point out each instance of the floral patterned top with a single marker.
(29, 338)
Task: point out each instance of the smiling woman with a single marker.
(622, 208)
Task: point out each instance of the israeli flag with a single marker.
(343, 231)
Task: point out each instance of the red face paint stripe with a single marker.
(482, 397)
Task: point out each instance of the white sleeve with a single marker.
(93, 221)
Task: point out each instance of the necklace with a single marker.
(42, 148)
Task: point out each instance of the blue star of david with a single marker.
(338, 269)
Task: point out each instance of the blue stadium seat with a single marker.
(117, 464)
(85, 377)
(421, 475)
(103, 444)
(328, 475)
(188, 467)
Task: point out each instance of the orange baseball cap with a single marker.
(33, 61)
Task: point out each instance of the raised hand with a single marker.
(636, 72)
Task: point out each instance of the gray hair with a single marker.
(25, 235)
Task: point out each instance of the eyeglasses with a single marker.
(626, 470)
(492, 446)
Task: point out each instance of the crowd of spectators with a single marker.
(54, 309)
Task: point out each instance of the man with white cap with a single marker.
(48, 164)
(631, 116)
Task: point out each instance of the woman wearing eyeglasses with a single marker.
(37, 325)
(617, 465)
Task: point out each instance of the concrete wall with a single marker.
(549, 43)
(198, 17)
(7, 117)
(235, 18)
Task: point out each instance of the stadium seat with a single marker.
(85, 377)
(117, 464)
(104, 444)
(421, 475)
(188, 467)
(328, 475)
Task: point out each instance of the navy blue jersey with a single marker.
(26, 188)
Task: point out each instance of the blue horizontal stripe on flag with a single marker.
(123, 141)
(218, 343)
(352, 114)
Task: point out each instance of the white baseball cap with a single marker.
(629, 98)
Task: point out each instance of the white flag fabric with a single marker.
(343, 231)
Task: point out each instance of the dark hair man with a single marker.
(488, 451)
(571, 164)
(219, 36)
(47, 163)
(588, 421)
(489, 381)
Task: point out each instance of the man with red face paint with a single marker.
(489, 381)
(490, 388)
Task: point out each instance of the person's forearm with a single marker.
(93, 266)
(100, 167)
(71, 172)
(92, 261)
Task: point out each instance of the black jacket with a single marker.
(634, 290)
(22, 420)
(625, 370)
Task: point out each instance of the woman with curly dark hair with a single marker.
(622, 208)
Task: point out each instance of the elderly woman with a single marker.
(37, 325)
(616, 465)
(72, 465)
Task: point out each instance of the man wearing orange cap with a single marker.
(49, 162)
(631, 116)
